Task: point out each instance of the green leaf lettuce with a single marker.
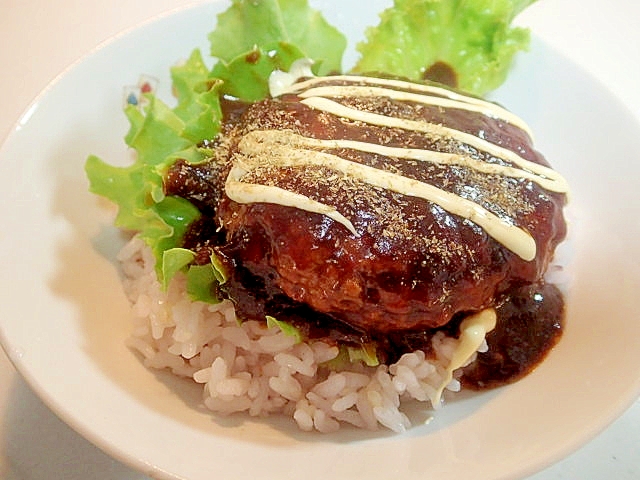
(253, 38)
(473, 39)
(160, 135)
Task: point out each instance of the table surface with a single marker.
(39, 38)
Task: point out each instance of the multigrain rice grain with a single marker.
(248, 367)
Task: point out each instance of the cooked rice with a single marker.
(247, 367)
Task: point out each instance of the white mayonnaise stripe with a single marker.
(388, 82)
(512, 237)
(440, 158)
(241, 192)
(340, 110)
(487, 109)
(473, 331)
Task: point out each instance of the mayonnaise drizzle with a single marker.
(242, 192)
(473, 331)
(436, 95)
(335, 108)
(257, 145)
(488, 109)
(282, 148)
(440, 158)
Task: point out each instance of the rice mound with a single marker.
(247, 367)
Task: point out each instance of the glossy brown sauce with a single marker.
(442, 72)
(529, 318)
(530, 323)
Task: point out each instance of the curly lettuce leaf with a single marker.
(470, 42)
(198, 99)
(160, 135)
(175, 260)
(253, 38)
(350, 354)
(247, 76)
(154, 133)
(201, 279)
(286, 328)
(137, 189)
(186, 79)
(268, 23)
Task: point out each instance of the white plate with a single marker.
(63, 318)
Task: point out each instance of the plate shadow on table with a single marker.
(40, 446)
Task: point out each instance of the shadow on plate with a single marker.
(41, 446)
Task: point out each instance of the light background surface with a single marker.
(39, 39)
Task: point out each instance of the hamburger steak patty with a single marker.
(331, 201)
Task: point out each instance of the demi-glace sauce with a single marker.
(530, 323)
(387, 156)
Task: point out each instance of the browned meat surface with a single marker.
(411, 265)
